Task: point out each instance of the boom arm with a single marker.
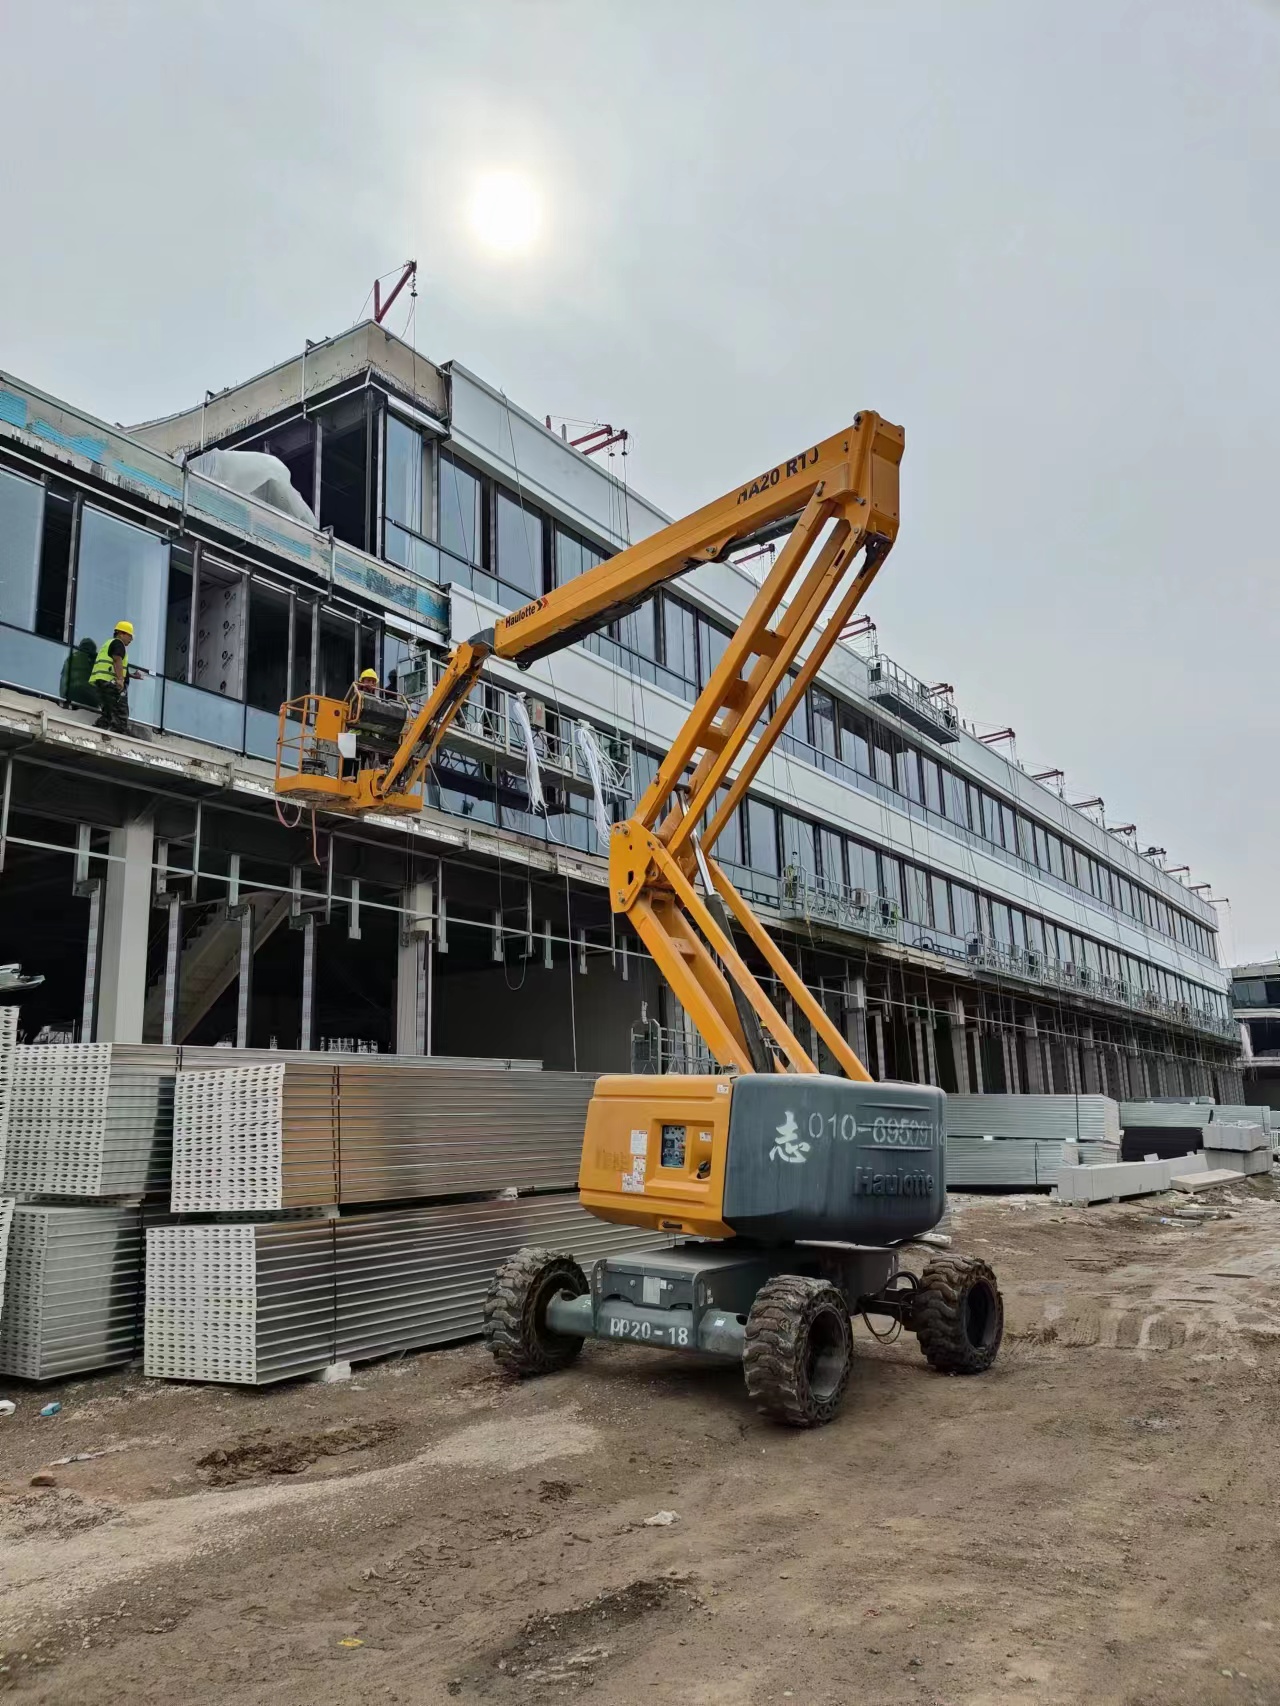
(838, 502)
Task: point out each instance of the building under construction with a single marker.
(960, 922)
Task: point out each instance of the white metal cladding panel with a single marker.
(57, 1119)
(8, 1049)
(295, 1327)
(228, 1139)
(201, 1299)
(1236, 1113)
(402, 1135)
(1052, 1119)
(1192, 1115)
(419, 1277)
(193, 1058)
(1015, 1163)
(6, 1222)
(73, 1291)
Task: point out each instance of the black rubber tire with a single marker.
(958, 1315)
(799, 1351)
(515, 1311)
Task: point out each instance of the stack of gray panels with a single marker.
(252, 1304)
(1237, 1146)
(73, 1290)
(8, 1049)
(6, 1222)
(1048, 1119)
(297, 1133)
(1016, 1164)
(89, 1120)
(1194, 1116)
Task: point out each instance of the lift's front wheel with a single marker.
(799, 1350)
(515, 1311)
(958, 1315)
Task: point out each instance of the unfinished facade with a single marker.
(961, 923)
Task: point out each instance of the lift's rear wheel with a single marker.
(515, 1311)
(958, 1315)
(799, 1350)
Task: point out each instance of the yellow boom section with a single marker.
(837, 503)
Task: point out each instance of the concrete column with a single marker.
(979, 1084)
(1035, 1069)
(126, 922)
(931, 1049)
(1009, 1053)
(412, 993)
(958, 1050)
(877, 1030)
(855, 1016)
(922, 1053)
(1089, 1054)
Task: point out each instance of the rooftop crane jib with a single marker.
(838, 503)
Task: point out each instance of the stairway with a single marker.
(210, 963)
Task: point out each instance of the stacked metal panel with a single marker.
(1049, 1119)
(73, 1289)
(89, 1120)
(8, 1048)
(1016, 1164)
(290, 1134)
(6, 1222)
(1192, 1115)
(1242, 1113)
(253, 1304)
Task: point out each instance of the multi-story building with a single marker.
(1255, 1000)
(958, 919)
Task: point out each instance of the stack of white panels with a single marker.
(8, 1048)
(1193, 1115)
(252, 1304)
(6, 1222)
(1242, 1112)
(1048, 1119)
(291, 1134)
(1238, 1146)
(89, 1120)
(73, 1290)
(1014, 1164)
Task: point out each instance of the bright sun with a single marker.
(504, 212)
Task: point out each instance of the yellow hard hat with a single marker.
(125, 628)
(369, 675)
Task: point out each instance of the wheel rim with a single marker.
(553, 1285)
(980, 1315)
(826, 1356)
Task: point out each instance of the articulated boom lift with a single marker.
(808, 1182)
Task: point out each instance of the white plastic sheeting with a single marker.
(254, 474)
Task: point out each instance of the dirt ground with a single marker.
(1094, 1520)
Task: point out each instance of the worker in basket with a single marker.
(109, 678)
(376, 716)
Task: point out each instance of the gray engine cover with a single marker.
(827, 1158)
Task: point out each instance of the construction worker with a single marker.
(109, 679)
(377, 716)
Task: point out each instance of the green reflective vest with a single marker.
(104, 665)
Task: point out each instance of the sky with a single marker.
(1041, 237)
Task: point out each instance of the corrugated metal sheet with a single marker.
(1192, 1115)
(287, 1135)
(6, 1221)
(253, 1304)
(1016, 1163)
(8, 1048)
(73, 1290)
(1048, 1119)
(89, 1120)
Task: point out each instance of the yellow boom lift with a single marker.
(797, 1187)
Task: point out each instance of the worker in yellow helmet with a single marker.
(377, 717)
(109, 679)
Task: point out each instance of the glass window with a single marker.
(679, 640)
(21, 502)
(964, 910)
(728, 844)
(1001, 924)
(882, 751)
(460, 530)
(637, 631)
(1009, 825)
(1041, 845)
(1026, 841)
(519, 531)
(907, 764)
(957, 795)
(932, 772)
(568, 564)
(891, 878)
(1069, 864)
(941, 908)
(1055, 854)
(854, 747)
(798, 845)
(915, 895)
(831, 855)
(1019, 928)
(822, 720)
(123, 576)
(337, 669)
(404, 467)
(864, 873)
(712, 645)
(762, 836)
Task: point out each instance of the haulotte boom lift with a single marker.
(788, 1191)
